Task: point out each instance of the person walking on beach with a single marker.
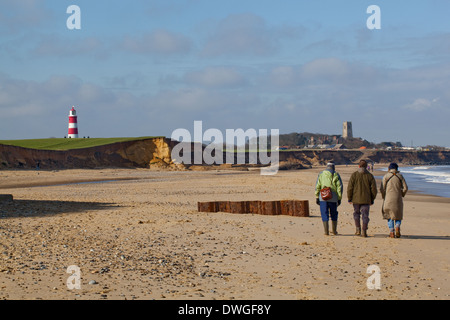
(361, 192)
(328, 193)
(393, 189)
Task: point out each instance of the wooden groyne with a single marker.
(294, 208)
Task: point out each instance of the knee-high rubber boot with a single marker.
(326, 228)
(364, 231)
(334, 227)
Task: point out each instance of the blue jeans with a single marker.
(391, 224)
(328, 209)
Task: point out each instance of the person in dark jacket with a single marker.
(361, 192)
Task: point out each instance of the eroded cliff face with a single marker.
(309, 158)
(131, 154)
(344, 157)
(156, 153)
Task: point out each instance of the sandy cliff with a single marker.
(131, 154)
(156, 153)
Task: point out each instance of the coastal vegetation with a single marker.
(65, 143)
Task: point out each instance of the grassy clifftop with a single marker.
(67, 144)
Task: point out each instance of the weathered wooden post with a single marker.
(238, 207)
(254, 207)
(270, 208)
(300, 208)
(6, 198)
(207, 207)
(224, 206)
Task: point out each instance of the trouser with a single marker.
(361, 211)
(392, 226)
(328, 209)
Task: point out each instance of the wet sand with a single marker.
(139, 236)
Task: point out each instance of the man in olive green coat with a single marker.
(393, 189)
(361, 192)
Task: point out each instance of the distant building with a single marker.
(347, 131)
(338, 146)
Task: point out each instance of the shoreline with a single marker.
(113, 176)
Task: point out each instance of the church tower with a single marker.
(347, 131)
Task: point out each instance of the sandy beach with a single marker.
(138, 235)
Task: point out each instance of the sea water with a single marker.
(434, 180)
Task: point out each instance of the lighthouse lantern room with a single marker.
(73, 124)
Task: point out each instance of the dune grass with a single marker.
(66, 144)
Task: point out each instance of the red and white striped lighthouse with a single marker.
(73, 124)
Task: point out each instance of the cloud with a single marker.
(130, 81)
(331, 73)
(429, 48)
(159, 42)
(52, 45)
(19, 15)
(34, 46)
(421, 104)
(22, 98)
(284, 76)
(40, 108)
(216, 77)
(245, 34)
(169, 8)
(178, 108)
(326, 69)
(188, 100)
(197, 101)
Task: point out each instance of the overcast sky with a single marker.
(143, 68)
